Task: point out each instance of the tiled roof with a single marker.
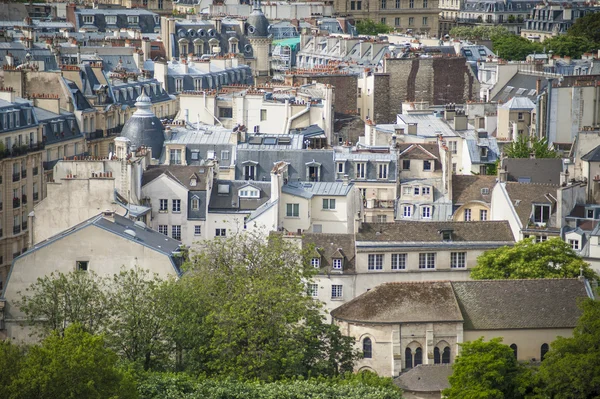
(546, 170)
(419, 151)
(466, 188)
(425, 378)
(414, 302)
(413, 231)
(331, 246)
(179, 173)
(523, 195)
(514, 304)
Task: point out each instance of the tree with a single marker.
(524, 146)
(11, 359)
(372, 28)
(527, 259)
(487, 370)
(514, 48)
(136, 330)
(569, 45)
(244, 312)
(58, 300)
(571, 368)
(479, 32)
(587, 26)
(72, 365)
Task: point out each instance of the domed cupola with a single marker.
(144, 128)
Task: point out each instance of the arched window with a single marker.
(408, 358)
(545, 349)
(367, 348)
(418, 356)
(436, 355)
(514, 349)
(446, 355)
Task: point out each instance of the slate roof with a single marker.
(524, 195)
(592, 156)
(466, 188)
(309, 189)
(231, 202)
(406, 302)
(179, 173)
(419, 151)
(418, 231)
(425, 378)
(520, 304)
(522, 85)
(67, 127)
(536, 170)
(19, 52)
(519, 103)
(330, 246)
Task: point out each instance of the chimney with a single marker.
(538, 86)
(7, 94)
(345, 180)
(394, 140)
(168, 133)
(160, 72)
(10, 60)
(146, 47)
(449, 112)
(412, 128)
(564, 178)
(460, 121)
(502, 174)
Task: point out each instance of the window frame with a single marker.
(375, 262)
(176, 205)
(328, 204)
(292, 210)
(163, 229)
(458, 260)
(337, 291)
(398, 261)
(197, 229)
(161, 208)
(337, 263)
(176, 232)
(427, 260)
(315, 262)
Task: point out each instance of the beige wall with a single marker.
(476, 207)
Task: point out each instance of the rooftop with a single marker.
(466, 188)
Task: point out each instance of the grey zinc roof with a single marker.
(545, 170)
(592, 156)
(519, 103)
(200, 214)
(406, 302)
(516, 304)
(231, 202)
(428, 124)
(145, 131)
(308, 189)
(425, 378)
(520, 81)
(180, 173)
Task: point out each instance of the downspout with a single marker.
(538, 127)
(548, 109)
(292, 118)
(210, 113)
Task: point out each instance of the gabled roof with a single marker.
(516, 304)
(524, 195)
(406, 302)
(425, 378)
(180, 173)
(231, 202)
(466, 188)
(543, 170)
(592, 156)
(419, 151)
(519, 104)
(330, 246)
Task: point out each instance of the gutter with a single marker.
(292, 118)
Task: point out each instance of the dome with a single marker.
(144, 128)
(258, 25)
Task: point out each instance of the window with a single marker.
(541, 238)
(329, 204)
(221, 232)
(179, 83)
(195, 204)
(361, 170)
(88, 19)
(337, 263)
(132, 19)
(224, 155)
(359, 5)
(397, 3)
(398, 261)
(406, 190)
(111, 19)
(408, 358)
(353, 5)
(197, 230)
(163, 229)
(520, 116)
(426, 165)
(458, 260)
(383, 4)
(249, 172)
(176, 205)
(292, 210)
(249, 193)
(515, 350)
(574, 244)
(160, 5)
(336, 291)
(483, 214)
(425, 20)
(375, 262)
(452, 146)
(313, 290)
(424, 3)
(467, 215)
(426, 212)
(383, 20)
(176, 232)
(406, 164)
(418, 359)
(382, 171)
(163, 205)
(263, 115)
(367, 348)
(541, 213)
(427, 260)
(225, 112)
(544, 349)
(417, 191)
(341, 169)
(315, 262)
(175, 157)
(397, 21)
(381, 218)
(443, 357)
(425, 190)
(82, 265)
(411, 20)
(411, 3)
(407, 211)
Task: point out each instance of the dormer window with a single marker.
(193, 182)
(88, 19)
(195, 203)
(249, 193)
(111, 19)
(483, 152)
(337, 263)
(132, 19)
(446, 234)
(541, 214)
(427, 165)
(315, 262)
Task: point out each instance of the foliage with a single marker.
(62, 299)
(487, 370)
(11, 360)
(479, 32)
(571, 368)
(74, 365)
(175, 386)
(525, 145)
(372, 28)
(241, 310)
(569, 45)
(587, 26)
(515, 48)
(527, 259)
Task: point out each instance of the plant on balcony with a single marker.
(511, 19)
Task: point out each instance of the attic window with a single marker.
(315, 262)
(485, 191)
(446, 235)
(541, 214)
(337, 263)
(249, 193)
(193, 182)
(195, 155)
(223, 189)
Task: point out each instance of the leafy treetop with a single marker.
(525, 145)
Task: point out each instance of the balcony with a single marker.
(24, 226)
(24, 174)
(98, 134)
(16, 202)
(114, 131)
(36, 196)
(16, 176)
(383, 204)
(16, 230)
(18, 151)
(24, 199)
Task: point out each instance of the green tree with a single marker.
(487, 370)
(571, 369)
(135, 329)
(73, 365)
(57, 300)
(11, 360)
(569, 45)
(372, 28)
(479, 32)
(553, 258)
(587, 26)
(525, 145)
(514, 48)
